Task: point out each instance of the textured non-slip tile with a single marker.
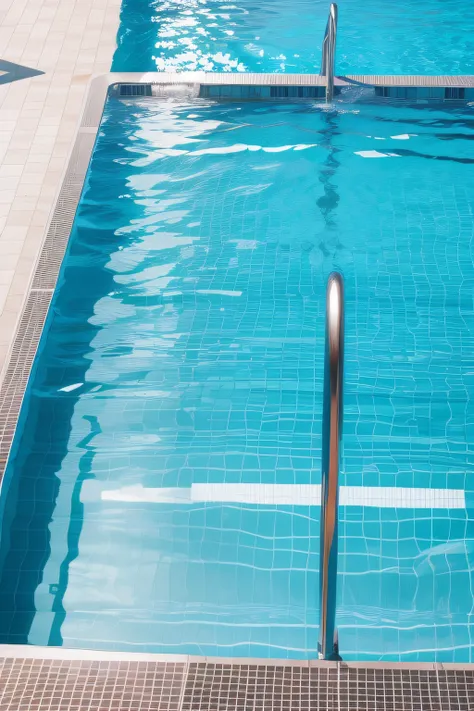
(236, 687)
(68, 685)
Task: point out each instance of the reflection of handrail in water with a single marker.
(329, 51)
(332, 431)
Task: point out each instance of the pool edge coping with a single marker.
(13, 651)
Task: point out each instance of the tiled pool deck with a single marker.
(68, 40)
(59, 680)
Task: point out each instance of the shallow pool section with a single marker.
(374, 37)
(180, 379)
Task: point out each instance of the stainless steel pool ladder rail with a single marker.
(328, 646)
(329, 51)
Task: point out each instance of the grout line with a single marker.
(183, 685)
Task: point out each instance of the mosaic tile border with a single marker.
(76, 685)
(19, 366)
(42, 679)
(319, 687)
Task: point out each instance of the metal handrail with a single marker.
(329, 51)
(332, 431)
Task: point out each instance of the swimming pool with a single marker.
(181, 372)
(375, 37)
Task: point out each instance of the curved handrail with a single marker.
(332, 432)
(329, 51)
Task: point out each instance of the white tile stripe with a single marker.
(285, 495)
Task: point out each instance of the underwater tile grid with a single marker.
(184, 350)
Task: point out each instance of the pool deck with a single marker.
(66, 42)
(36, 678)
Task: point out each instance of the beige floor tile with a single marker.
(7, 276)
(14, 234)
(9, 262)
(3, 295)
(14, 157)
(19, 281)
(9, 183)
(70, 40)
(28, 204)
(10, 247)
(7, 196)
(8, 322)
(20, 216)
(10, 171)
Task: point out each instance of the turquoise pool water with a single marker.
(375, 37)
(184, 351)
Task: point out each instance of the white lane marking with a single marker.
(282, 495)
(218, 292)
(239, 147)
(375, 154)
(70, 388)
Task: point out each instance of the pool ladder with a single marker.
(329, 52)
(328, 647)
